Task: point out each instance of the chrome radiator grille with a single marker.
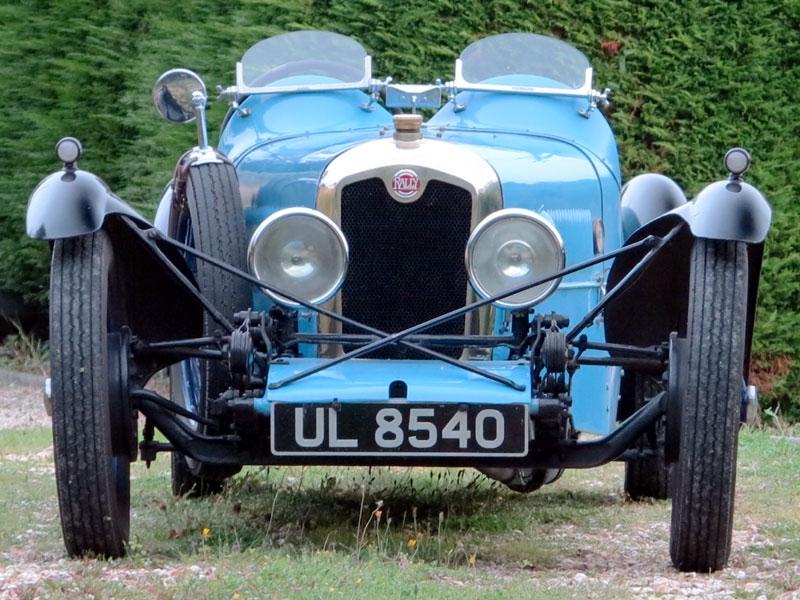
(406, 259)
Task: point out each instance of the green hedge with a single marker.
(690, 80)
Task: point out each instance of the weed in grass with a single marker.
(772, 420)
(24, 352)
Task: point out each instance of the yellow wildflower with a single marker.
(359, 580)
(412, 543)
(472, 560)
(206, 531)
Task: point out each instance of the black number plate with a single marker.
(399, 429)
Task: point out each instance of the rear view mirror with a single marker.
(172, 95)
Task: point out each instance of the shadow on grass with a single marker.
(445, 515)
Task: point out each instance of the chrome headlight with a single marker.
(299, 251)
(510, 248)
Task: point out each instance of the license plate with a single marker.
(399, 429)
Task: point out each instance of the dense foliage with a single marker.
(691, 78)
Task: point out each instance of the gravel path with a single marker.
(639, 564)
(22, 407)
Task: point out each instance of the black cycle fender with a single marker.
(725, 210)
(72, 202)
(728, 210)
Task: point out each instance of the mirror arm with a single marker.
(199, 102)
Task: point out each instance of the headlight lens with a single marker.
(299, 251)
(510, 248)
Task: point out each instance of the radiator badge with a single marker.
(405, 184)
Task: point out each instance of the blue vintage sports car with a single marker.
(341, 282)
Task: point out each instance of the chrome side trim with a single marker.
(430, 160)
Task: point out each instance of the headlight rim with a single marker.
(506, 213)
(290, 212)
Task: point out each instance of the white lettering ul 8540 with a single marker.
(334, 441)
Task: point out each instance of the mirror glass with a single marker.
(172, 94)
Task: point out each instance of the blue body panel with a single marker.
(369, 380)
(281, 148)
(548, 158)
(541, 116)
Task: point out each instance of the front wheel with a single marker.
(212, 223)
(91, 435)
(705, 474)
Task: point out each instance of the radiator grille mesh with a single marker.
(406, 259)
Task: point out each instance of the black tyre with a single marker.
(87, 313)
(213, 223)
(649, 477)
(705, 474)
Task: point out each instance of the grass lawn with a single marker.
(395, 533)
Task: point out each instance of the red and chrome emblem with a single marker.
(405, 183)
